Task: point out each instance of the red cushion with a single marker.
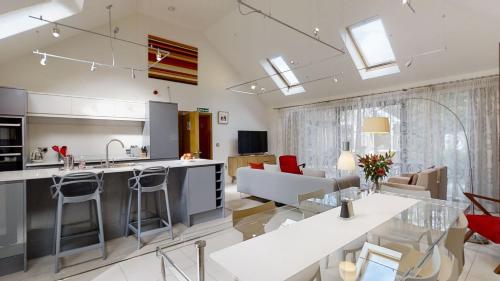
(288, 164)
(487, 226)
(259, 166)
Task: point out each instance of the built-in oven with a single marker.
(11, 143)
(11, 131)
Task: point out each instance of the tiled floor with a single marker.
(124, 263)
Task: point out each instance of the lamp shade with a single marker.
(376, 125)
(346, 161)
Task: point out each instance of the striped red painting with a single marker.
(180, 66)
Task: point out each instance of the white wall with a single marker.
(83, 137)
(215, 74)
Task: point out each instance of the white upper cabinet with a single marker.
(49, 105)
(91, 107)
(133, 110)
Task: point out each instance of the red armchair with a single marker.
(485, 224)
(288, 164)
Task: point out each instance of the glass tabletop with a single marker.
(381, 253)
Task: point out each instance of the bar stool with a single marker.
(150, 180)
(77, 188)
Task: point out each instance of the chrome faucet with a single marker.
(107, 149)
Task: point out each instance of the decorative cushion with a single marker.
(258, 166)
(272, 168)
(487, 226)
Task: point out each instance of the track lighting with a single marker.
(253, 87)
(56, 32)
(408, 4)
(409, 62)
(262, 89)
(43, 61)
(92, 67)
(158, 54)
(316, 31)
(335, 79)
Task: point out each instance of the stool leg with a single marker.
(139, 219)
(58, 232)
(101, 228)
(169, 219)
(129, 207)
(158, 206)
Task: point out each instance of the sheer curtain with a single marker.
(423, 133)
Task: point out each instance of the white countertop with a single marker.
(48, 173)
(91, 161)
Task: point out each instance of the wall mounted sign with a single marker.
(180, 66)
(223, 117)
(203, 109)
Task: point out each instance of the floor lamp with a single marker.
(466, 138)
(381, 125)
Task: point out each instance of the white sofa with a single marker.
(284, 187)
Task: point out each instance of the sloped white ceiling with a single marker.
(468, 29)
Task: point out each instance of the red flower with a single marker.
(389, 162)
(380, 172)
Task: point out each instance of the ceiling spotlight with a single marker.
(92, 67)
(335, 79)
(56, 32)
(158, 55)
(408, 4)
(316, 31)
(262, 89)
(409, 62)
(292, 62)
(43, 61)
(253, 87)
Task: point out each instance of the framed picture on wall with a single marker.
(223, 117)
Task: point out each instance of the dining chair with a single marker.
(455, 241)
(395, 232)
(254, 229)
(485, 224)
(430, 270)
(306, 213)
(423, 194)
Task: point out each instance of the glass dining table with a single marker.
(371, 255)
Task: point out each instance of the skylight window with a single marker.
(283, 76)
(370, 49)
(17, 21)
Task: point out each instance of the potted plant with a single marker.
(376, 167)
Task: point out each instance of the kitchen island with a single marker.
(195, 189)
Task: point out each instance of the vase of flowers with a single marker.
(376, 167)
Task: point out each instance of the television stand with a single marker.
(237, 161)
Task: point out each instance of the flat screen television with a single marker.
(252, 142)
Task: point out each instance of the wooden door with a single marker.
(205, 135)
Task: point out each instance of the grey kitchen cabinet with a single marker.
(162, 130)
(12, 227)
(13, 101)
(200, 183)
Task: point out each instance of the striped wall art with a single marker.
(180, 66)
